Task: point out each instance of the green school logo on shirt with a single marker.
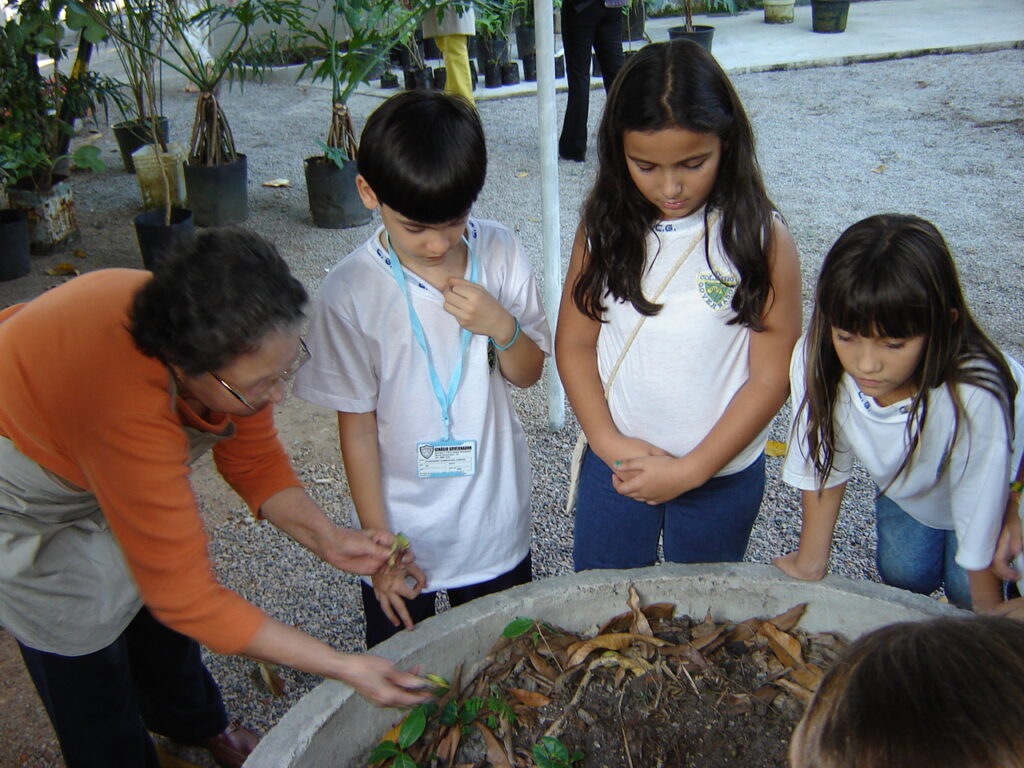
(716, 294)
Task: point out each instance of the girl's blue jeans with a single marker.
(708, 524)
(913, 556)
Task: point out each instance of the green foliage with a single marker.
(552, 753)
(37, 110)
(518, 626)
(88, 157)
(375, 27)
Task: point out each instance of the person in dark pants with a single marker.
(587, 25)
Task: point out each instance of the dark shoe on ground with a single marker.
(231, 746)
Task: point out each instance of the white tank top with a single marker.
(686, 363)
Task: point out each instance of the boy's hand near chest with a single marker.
(477, 310)
(519, 358)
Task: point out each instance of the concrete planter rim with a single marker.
(862, 604)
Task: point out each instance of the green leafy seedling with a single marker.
(552, 753)
(517, 627)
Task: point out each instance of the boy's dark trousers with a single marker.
(379, 628)
(151, 678)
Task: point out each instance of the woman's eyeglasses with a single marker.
(301, 358)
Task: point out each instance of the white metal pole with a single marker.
(543, 14)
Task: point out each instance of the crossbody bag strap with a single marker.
(657, 295)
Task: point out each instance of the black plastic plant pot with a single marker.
(218, 194)
(510, 73)
(829, 16)
(530, 67)
(526, 40)
(440, 78)
(422, 79)
(492, 49)
(333, 198)
(388, 80)
(701, 35)
(157, 238)
(132, 134)
(430, 49)
(492, 74)
(15, 259)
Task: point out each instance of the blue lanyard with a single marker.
(444, 398)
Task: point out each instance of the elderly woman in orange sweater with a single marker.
(112, 385)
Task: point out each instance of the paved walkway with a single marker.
(878, 29)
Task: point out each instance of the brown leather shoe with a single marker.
(231, 746)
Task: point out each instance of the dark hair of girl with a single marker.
(892, 276)
(673, 85)
(947, 692)
(423, 155)
(213, 298)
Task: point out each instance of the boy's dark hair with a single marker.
(423, 155)
(215, 297)
(673, 85)
(946, 692)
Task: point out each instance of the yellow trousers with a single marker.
(455, 49)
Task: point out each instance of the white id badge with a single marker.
(446, 458)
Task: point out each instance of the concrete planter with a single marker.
(332, 727)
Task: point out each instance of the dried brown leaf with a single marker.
(496, 755)
(794, 688)
(543, 669)
(786, 621)
(809, 676)
(743, 631)
(449, 744)
(705, 639)
(654, 612)
(578, 652)
(272, 678)
(639, 624)
(786, 647)
(61, 270)
(688, 653)
(530, 698)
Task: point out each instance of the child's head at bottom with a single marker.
(422, 155)
(947, 692)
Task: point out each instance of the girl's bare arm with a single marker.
(576, 356)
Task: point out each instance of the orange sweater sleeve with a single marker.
(80, 399)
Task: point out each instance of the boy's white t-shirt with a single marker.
(969, 497)
(464, 530)
(687, 362)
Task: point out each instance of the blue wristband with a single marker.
(515, 338)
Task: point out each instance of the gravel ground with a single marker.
(940, 136)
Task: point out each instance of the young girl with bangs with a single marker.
(894, 372)
(679, 313)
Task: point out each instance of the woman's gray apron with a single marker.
(64, 584)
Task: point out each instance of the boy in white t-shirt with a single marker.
(415, 337)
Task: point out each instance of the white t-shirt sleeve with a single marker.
(520, 295)
(978, 470)
(342, 372)
(798, 469)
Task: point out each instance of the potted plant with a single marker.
(140, 21)
(375, 28)
(634, 16)
(38, 112)
(779, 11)
(493, 21)
(204, 46)
(701, 34)
(829, 15)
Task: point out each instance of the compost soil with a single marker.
(646, 689)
